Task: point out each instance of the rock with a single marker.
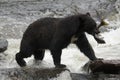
(51, 74)
(3, 45)
(99, 76)
(34, 74)
(78, 76)
(104, 66)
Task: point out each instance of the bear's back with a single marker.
(41, 31)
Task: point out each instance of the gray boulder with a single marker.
(103, 66)
(34, 74)
(3, 45)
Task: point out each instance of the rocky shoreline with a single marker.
(51, 74)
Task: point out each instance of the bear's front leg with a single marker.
(56, 54)
(85, 47)
(60, 40)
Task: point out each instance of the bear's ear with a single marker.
(88, 14)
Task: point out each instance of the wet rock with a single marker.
(99, 76)
(3, 45)
(34, 74)
(104, 66)
(51, 74)
(78, 76)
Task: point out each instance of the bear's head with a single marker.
(90, 26)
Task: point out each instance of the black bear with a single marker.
(55, 34)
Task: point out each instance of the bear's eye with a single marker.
(96, 31)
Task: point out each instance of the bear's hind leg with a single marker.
(39, 54)
(20, 58)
